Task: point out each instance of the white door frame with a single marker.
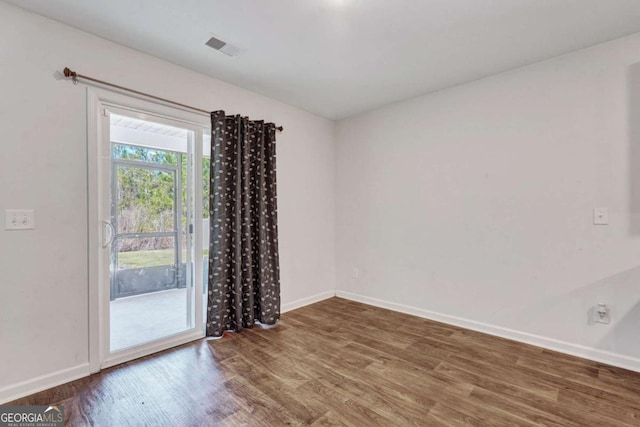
(99, 100)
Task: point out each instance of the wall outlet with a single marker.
(355, 273)
(19, 219)
(602, 314)
(601, 216)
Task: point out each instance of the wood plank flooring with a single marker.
(338, 363)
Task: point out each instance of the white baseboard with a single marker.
(306, 301)
(577, 350)
(43, 382)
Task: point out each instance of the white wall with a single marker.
(43, 165)
(474, 205)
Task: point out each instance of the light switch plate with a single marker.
(601, 216)
(19, 219)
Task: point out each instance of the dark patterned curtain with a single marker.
(244, 275)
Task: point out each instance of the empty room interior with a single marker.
(320, 212)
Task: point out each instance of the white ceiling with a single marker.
(337, 58)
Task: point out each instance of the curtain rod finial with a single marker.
(68, 73)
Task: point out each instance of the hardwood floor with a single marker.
(342, 363)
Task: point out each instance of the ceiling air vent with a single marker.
(223, 47)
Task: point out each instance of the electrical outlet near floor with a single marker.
(602, 314)
(600, 216)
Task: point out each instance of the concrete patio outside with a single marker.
(147, 317)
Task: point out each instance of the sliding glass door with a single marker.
(148, 211)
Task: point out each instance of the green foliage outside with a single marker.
(145, 196)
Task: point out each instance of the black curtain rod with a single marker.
(75, 76)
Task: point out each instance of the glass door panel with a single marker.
(151, 253)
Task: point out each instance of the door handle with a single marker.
(112, 233)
